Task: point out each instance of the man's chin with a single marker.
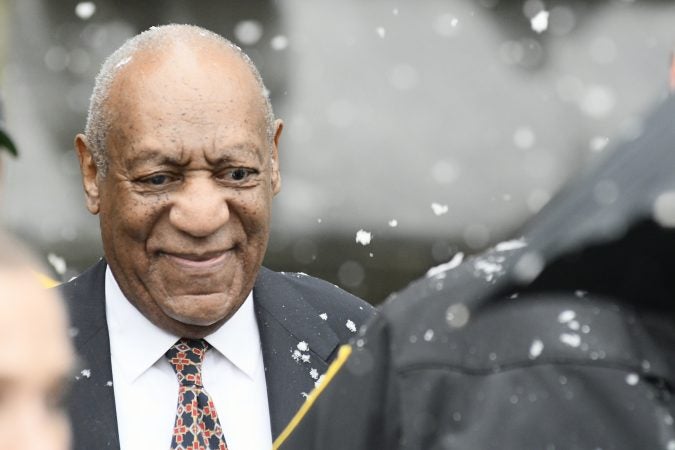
(201, 310)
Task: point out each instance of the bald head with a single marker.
(157, 47)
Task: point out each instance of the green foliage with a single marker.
(6, 142)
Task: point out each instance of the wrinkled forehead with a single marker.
(186, 78)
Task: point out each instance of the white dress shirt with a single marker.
(146, 388)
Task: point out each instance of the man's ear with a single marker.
(276, 174)
(89, 171)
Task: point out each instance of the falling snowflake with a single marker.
(536, 348)
(524, 138)
(86, 373)
(363, 237)
(381, 32)
(58, 263)
(528, 267)
(303, 346)
(323, 316)
(314, 374)
(566, 316)
(393, 223)
(429, 335)
(109, 383)
(539, 22)
(280, 42)
(439, 209)
(351, 326)
(84, 10)
(305, 358)
(598, 143)
(664, 209)
(248, 32)
(445, 25)
(632, 379)
(571, 339)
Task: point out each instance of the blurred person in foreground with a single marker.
(37, 357)
(563, 339)
(188, 342)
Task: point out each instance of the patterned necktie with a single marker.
(197, 426)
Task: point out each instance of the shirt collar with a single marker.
(238, 339)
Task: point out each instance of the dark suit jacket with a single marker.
(288, 308)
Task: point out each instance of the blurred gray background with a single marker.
(435, 126)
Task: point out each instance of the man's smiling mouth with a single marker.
(205, 260)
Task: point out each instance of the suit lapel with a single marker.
(296, 346)
(92, 404)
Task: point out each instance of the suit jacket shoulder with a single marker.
(308, 299)
(302, 322)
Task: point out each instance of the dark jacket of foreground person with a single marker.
(563, 339)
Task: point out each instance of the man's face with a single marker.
(185, 206)
(37, 364)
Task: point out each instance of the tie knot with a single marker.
(186, 358)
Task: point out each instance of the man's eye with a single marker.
(238, 174)
(157, 180)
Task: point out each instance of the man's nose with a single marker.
(200, 208)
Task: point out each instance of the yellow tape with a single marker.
(46, 281)
(343, 354)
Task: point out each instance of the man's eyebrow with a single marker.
(156, 157)
(231, 154)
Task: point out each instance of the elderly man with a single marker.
(37, 358)
(188, 342)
